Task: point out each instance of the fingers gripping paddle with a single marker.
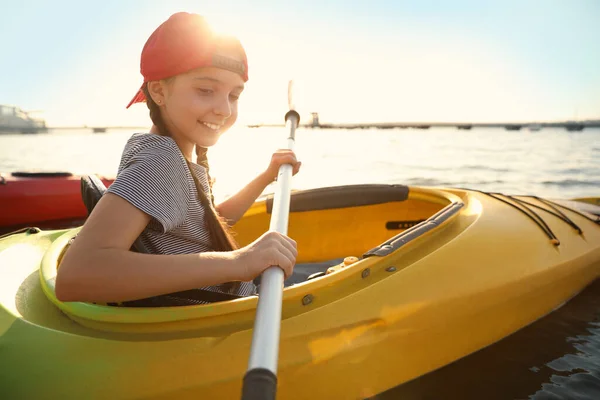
(260, 381)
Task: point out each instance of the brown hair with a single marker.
(218, 228)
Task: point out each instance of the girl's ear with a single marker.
(156, 90)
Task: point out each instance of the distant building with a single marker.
(315, 120)
(15, 120)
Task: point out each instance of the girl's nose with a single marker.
(223, 107)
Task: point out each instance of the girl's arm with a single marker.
(100, 267)
(236, 206)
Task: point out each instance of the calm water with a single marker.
(552, 162)
(558, 357)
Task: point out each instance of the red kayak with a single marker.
(48, 200)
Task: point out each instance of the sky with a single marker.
(77, 62)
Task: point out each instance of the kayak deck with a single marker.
(472, 279)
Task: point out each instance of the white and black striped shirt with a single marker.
(154, 177)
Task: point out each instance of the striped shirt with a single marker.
(154, 177)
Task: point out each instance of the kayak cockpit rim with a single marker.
(130, 319)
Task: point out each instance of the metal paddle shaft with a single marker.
(260, 381)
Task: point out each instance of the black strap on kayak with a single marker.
(41, 174)
(185, 298)
(527, 208)
(591, 217)
(557, 213)
(22, 230)
(521, 206)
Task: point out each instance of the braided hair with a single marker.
(218, 228)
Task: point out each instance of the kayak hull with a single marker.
(480, 275)
(49, 200)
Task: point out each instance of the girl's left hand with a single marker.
(279, 158)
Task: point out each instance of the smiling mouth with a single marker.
(213, 127)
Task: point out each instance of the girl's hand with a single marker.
(279, 158)
(272, 248)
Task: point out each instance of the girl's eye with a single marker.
(205, 91)
(234, 97)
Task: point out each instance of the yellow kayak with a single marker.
(403, 280)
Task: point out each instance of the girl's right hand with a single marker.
(272, 248)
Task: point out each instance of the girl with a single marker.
(192, 81)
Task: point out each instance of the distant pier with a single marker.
(510, 126)
(571, 126)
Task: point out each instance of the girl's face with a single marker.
(200, 105)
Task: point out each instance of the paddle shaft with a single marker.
(265, 339)
(260, 381)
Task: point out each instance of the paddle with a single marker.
(260, 381)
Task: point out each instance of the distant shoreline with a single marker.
(533, 125)
(536, 125)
